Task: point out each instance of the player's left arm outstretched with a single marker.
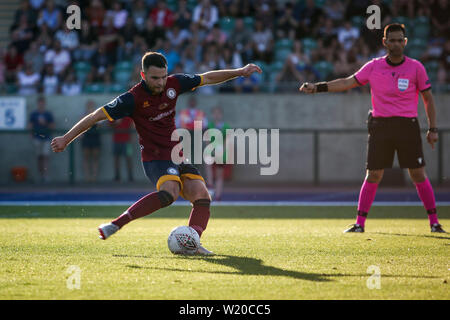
(219, 76)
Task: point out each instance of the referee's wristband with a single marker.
(435, 130)
(321, 87)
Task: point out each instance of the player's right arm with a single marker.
(120, 107)
(60, 143)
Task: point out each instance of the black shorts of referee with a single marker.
(390, 135)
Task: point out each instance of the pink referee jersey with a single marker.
(394, 88)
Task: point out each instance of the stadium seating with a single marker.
(309, 44)
(82, 69)
(226, 24)
(324, 68)
(95, 88)
(421, 28)
(249, 23)
(122, 72)
(416, 48)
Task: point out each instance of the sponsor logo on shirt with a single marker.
(146, 104)
(402, 84)
(161, 115)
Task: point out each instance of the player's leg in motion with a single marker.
(168, 192)
(426, 194)
(366, 198)
(195, 191)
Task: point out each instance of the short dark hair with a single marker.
(155, 59)
(394, 27)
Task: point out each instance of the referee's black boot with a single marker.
(355, 228)
(437, 228)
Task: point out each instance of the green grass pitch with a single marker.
(262, 253)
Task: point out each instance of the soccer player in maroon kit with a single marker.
(395, 81)
(151, 104)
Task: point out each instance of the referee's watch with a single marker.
(435, 130)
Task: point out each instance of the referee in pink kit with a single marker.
(395, 82)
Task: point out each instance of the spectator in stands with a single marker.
(335, 10)
(162, 16)
(172, 55)
(28, 80)
(217, 36)
(27, 10)
(50, 15)
(241, 39)
(152, 36)
(13, 63)
(117, 14)
(70, 86)
(91, 144)
(404, 8)
(205, 14)
(188, 59)
(262, 41)
(215, 173)
(108, 37)
(287, 23)
(50, 81)
(178, 37)
(440, 19)
(35, 57)
(296, 68)
(59, 57)
(88, 43)
(183, 17)
(102, 66)
(348, 35)
(68, 38)
(96, 14)
(122, 146)
(139, 14)
(41, 124)
(22, 35)
(310, 15)
(44, 38)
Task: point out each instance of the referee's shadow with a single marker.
(414, 235)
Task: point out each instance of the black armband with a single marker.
(321, 87)
(435, 130)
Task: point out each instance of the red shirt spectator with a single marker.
(121, 130)
(162, 16)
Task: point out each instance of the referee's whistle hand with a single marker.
(307, 87)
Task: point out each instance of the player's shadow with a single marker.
(249, 266)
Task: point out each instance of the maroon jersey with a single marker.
(153, 115)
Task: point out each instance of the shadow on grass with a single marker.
(244, 266)
(413, 235)
(252, 266)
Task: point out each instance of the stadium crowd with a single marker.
(294, 41)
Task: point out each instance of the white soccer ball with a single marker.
(183, 240)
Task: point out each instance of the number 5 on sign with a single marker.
(12, 113)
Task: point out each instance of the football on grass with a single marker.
(183, 240)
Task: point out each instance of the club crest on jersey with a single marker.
(171, 93)
(146, 104)
(402, 84)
